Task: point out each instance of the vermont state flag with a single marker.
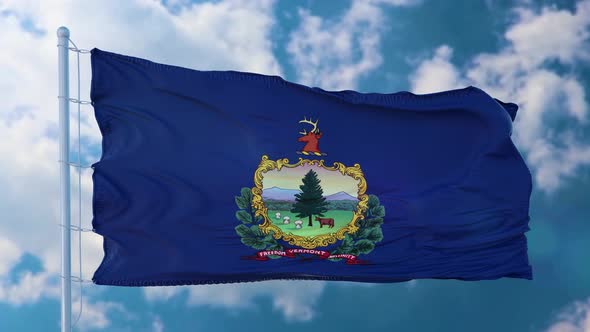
(223, 176)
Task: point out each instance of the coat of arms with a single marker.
(298, 209)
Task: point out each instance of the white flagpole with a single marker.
(63, 37)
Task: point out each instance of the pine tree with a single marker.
(310, 201)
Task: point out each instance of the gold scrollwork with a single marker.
(308, 242)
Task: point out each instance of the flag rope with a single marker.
(76, 49)
(76, 101)
(79, 182)
(77, 229)
(79, 168)
(79, 280)
(76, 165)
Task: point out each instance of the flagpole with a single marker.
(63, 37)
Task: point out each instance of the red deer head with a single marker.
(312, 138)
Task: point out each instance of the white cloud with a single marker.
(157, 325)
(19, 288)
(439, 67)
(95, 316)
(9, 255)
(335, 54)
(521, 72)
(25, 287)
(551, 34)
(575, 318)
(163, 293)
(29, 288)
(294, 299)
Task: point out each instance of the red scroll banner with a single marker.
(350, 259)
(290, 253)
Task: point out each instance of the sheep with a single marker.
(286, 220)
(298, 224)
(278, 215)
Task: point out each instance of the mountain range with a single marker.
(280, 194)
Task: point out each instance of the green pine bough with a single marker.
(248, 230)
(369, 233)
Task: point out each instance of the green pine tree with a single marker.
(310, 201)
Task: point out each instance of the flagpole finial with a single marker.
(63, 32)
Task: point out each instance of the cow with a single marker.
(278, 215)
(325, 221)
(286, 220)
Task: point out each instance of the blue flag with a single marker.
(223, 176)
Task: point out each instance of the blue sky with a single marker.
(533, 53)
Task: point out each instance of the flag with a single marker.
(224, 176)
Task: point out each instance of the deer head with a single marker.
(311, 138)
